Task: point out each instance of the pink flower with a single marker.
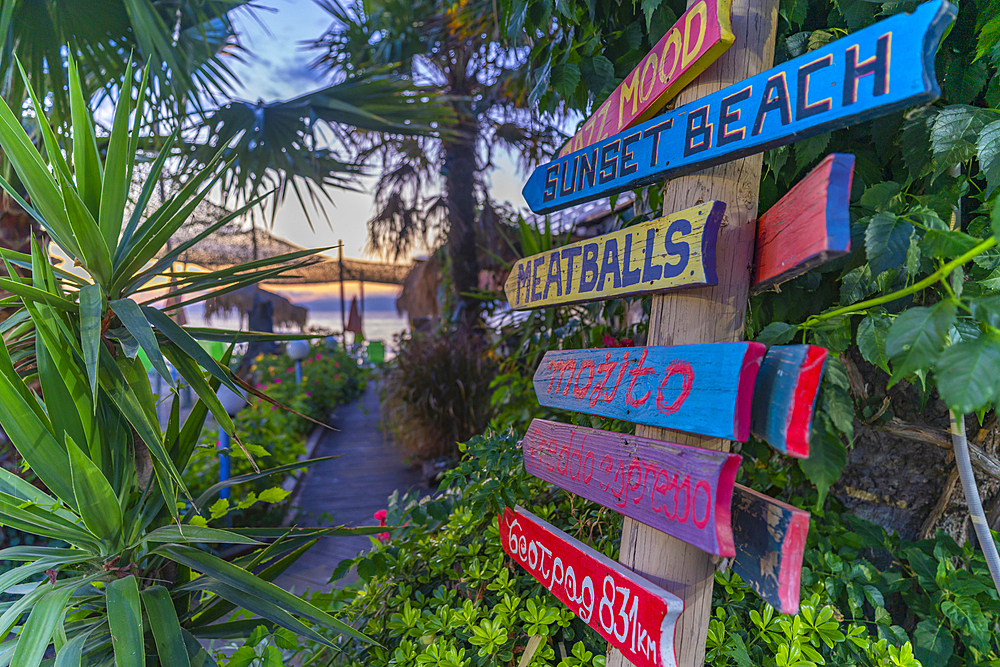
(380, 517)
(308, 394)
(274, 407)
(318, 357)
(262, 386)
(289, 370)
(277, 380)
(624, 342)
(336, 364)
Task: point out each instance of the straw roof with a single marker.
(241, 301)
(240, 241)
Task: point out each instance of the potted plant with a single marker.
(136, 583)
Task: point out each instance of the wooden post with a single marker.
(361, 287)
(705, 315)
(343, 318)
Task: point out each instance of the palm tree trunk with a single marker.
(460, 170)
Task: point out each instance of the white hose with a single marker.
(979, 522)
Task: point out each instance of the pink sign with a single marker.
(683, 491)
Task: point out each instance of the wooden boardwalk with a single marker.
(349, 489)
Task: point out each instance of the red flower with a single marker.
(624, 342)
(380, 517)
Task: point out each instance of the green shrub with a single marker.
(434, 394)
(273, 436)
(441, 591)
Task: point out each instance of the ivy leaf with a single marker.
(883, 196)
(776, 158)
(872, 333)
(928, 217)
(946, 244)
(776, 333)
(932, 643)
(955, 133)
(857, 13)
(827, 458)
(219, 508)
(839, 407)
(542, 86)
(820, 38)
(986, 309)
(967, 376)
(807, 150)
(649, 8)
(856, 285)
(963, 81)
(988, 152)
(793, 11)
(797, 43)
(965, 328)
(917, 337)
(273, 495)
(565, 79)
(915, 141)
(887, 241)
(989, 34)
(834, 334)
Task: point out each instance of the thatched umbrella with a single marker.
(242, 301)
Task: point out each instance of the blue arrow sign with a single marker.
(884, 68)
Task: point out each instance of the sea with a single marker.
(379, 322)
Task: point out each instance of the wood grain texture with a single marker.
(634, 615)
(770, 541)
(705, 315)
(683, 491)
(807, 227)
(881, 69)
(698, 38)
(671, 252)
(784, 397)
(703, 389)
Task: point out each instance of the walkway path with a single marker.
(350, 489)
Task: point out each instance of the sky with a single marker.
(277, 68)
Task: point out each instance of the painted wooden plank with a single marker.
(633, 614)
(671, 252)
(784, 397)
(703, 389)
(705, 315)
(770, 541)
(886, 67)
(698, 38)
(683, 491)
(809, 226)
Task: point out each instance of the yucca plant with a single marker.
(137, 583)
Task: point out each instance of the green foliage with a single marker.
(113, 483)
(434, 392)
(272, 436)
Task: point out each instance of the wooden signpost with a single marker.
(726, 118)
(700, 36)
(784, 397)
(704, 389)
(667, 253)
(683, 491)
(634, 615)
(880, 69)
(770, 541)
(808, 227)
